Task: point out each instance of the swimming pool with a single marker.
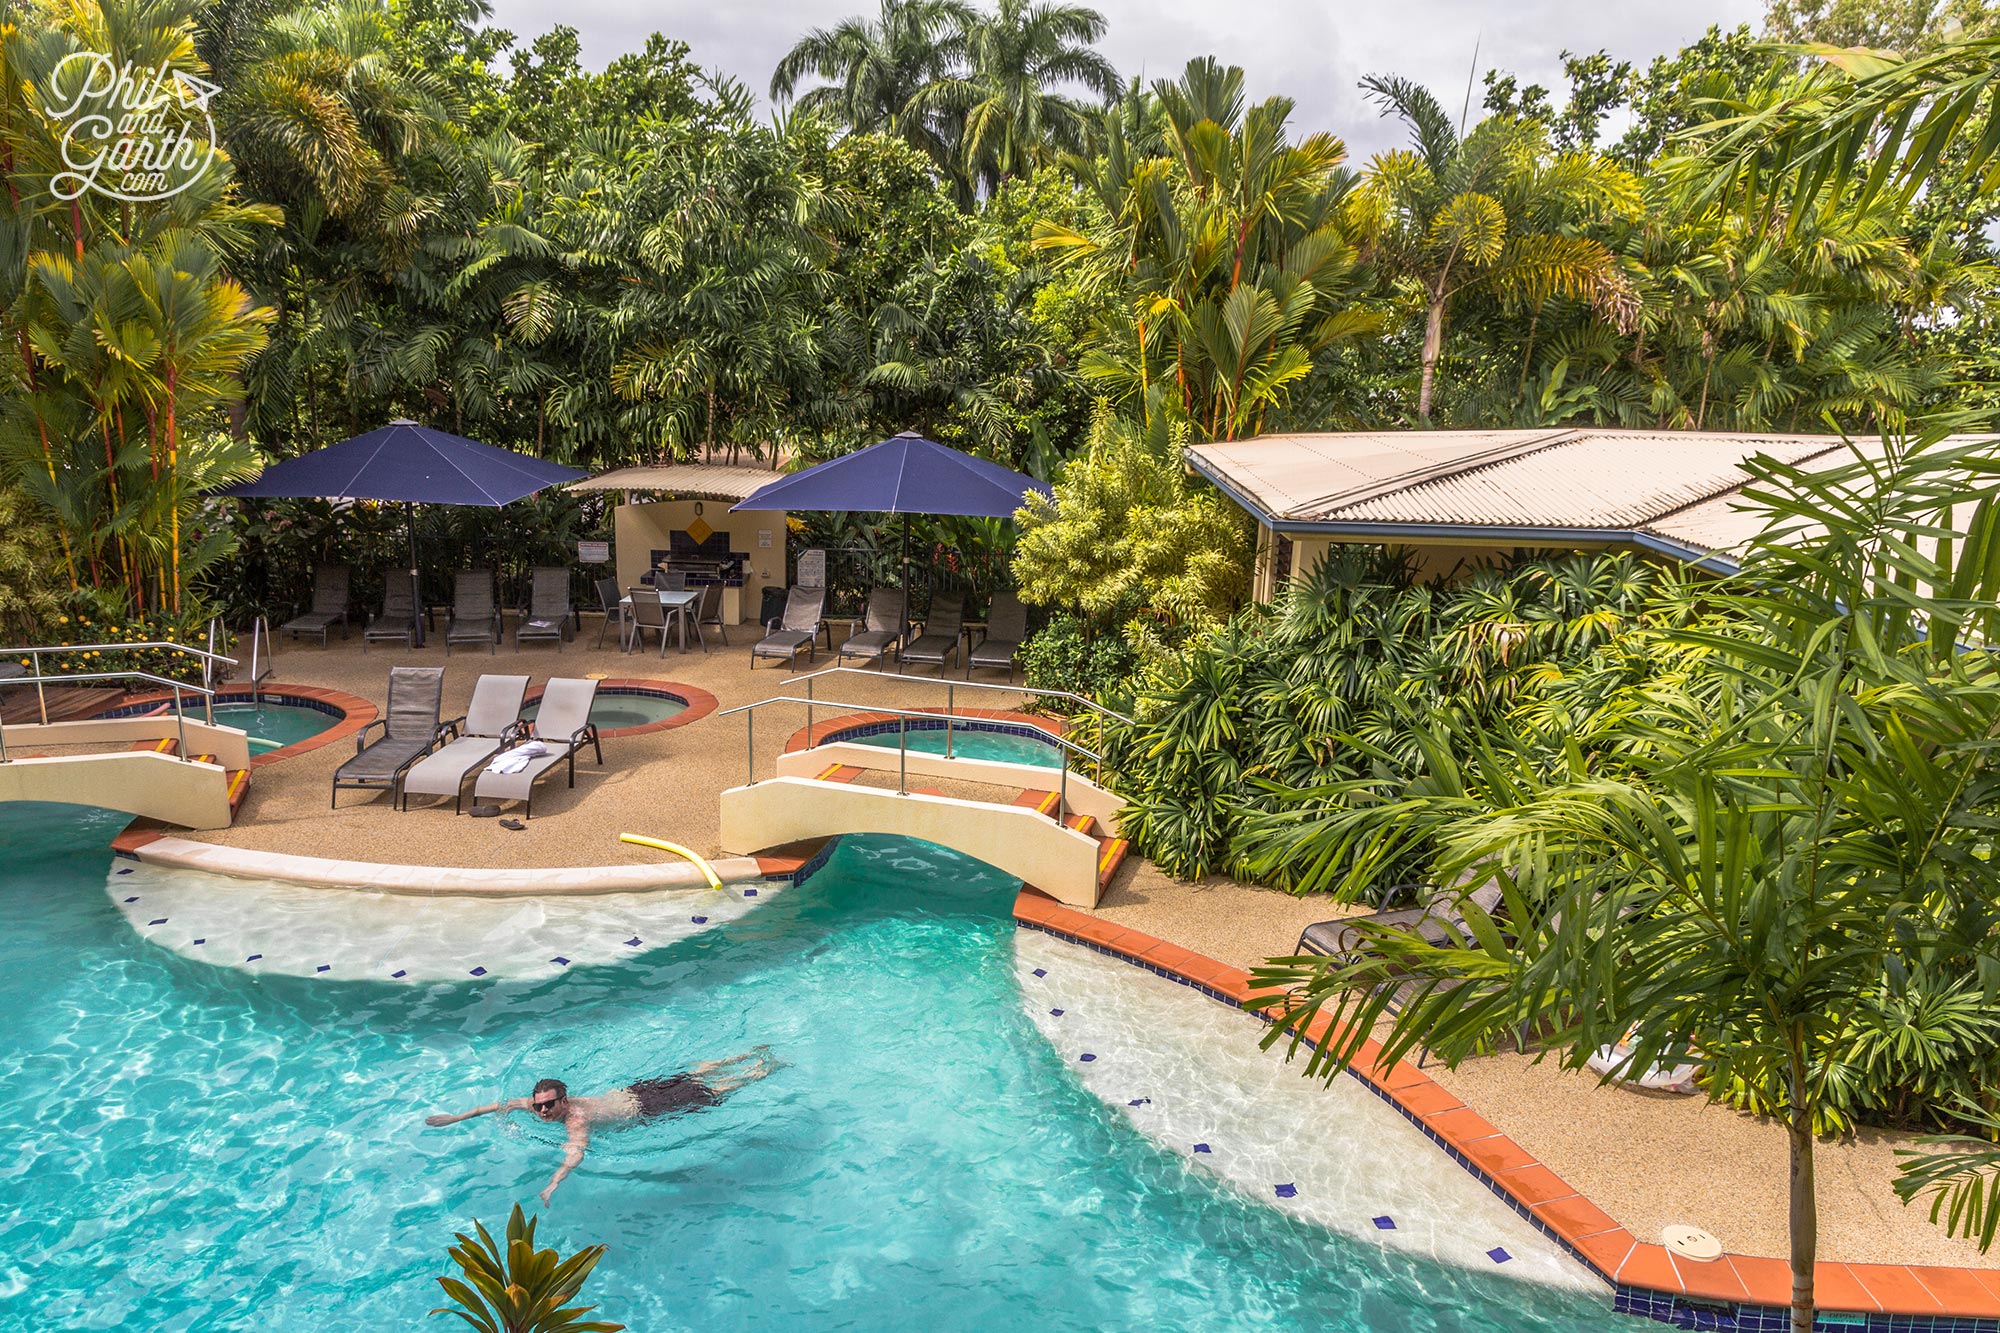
(617, 711)
(205, 1147)
(271, 726)
(968, 741)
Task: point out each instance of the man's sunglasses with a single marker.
(543, 1106)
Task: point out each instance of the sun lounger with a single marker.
(398, 619)
(1006, 629)
(475, 611)
(410, 730)
(549, 608)
(329, 604)
(490, 722)
(942, 629)
(1438, 919)
(795, 631)
(886, 625)
(562, 726)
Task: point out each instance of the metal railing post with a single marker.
(750, 744)
(41, 695)
(180, 722)
(949, 709)
(902, 756)
(1062, 791)
(809, 713)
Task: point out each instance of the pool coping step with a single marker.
(1752, 1291)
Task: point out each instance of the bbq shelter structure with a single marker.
(676, 517)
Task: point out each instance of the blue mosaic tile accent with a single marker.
(478, 971)
(202, 940)
(241, 697)
(1287, 1191)
(699, 920)
(560, 961)
(125, 870)
(157, 921)
(253, 957)
(1041, 972)
(1201, 1147)
(1498, 1255)
(810, 868)
(634, 942)
(1139, 1101)
(1086, 1057)
(398, 974)
(324, 967)
(1055, 1013)
(1385, 1223)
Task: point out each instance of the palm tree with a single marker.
(1227, 254)
(874, 73)
(1489, 212)
(1012, 119)
(1772, 875)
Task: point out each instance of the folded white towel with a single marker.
(516, 759)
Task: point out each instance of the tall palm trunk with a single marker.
(1804, 1208)
(1433, 348)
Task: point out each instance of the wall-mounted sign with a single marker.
(593, 553)
(764, 538)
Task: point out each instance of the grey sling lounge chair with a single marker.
(398, 619)
(795, 630)
(562, 723)
(475, 611)
(410, 730)
(549, 608)
(489, 724)
(886, 626)
(329, 604)
(614, 614)
(1006, 628)
(941, 634)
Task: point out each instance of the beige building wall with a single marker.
(639, 528)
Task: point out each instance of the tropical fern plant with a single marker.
(520, 1289)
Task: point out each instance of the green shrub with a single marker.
(1064, 655)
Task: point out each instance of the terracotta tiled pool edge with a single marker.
(1748, 1292)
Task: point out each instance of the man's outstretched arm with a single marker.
(497, 1108)
(579, 1139)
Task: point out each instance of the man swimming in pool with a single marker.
(648, 1099)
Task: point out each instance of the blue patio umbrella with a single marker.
(412, 464)
(904, 474)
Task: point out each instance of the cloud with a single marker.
(1312, 51)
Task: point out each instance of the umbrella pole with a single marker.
(416, 587)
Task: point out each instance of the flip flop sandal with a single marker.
(485, 812)
(513, 824)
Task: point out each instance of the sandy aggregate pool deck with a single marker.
(1648, 1160)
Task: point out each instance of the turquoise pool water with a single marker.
(1002, 746)
(625, 710)
(271, 726)
(198, 1148)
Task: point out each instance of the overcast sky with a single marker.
(1310, 50)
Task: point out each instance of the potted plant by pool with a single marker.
(523, 1290)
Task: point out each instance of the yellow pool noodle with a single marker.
(714, 880)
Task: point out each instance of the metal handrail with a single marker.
(1064, 746)
(953, 685)
(209, 660)
(178, 687)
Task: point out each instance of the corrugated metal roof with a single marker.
(697, 481)
(1681, 487)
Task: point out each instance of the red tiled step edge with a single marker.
(801, 740)
(1584, 1228)
(700, 703)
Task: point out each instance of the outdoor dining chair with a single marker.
(648, 616)
(710, 613)
(549, 608)
(614, 611)
(329, 605)
(398, 617)
(475, 611)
